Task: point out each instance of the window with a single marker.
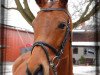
(89, 51)
(75, 50)
(85, 51)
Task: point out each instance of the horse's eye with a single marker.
(61, 26)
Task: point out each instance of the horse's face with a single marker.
(49, 27)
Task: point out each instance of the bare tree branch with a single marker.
(26, 13)
(94, 10)
(86, 10)
(27, 10)
(23, 13)
(8, 8)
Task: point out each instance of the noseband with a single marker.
(57, 52)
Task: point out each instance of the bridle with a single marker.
(57, 52)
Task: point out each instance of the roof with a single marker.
(15, 28)
(86, 36)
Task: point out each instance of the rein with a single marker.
(57, 52)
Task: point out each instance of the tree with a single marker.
(82, 60)
(91, 8)
(84, 15)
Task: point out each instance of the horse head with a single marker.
(51, 48)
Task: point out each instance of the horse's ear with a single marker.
(41, 3)
(63, 3)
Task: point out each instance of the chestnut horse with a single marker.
(51, 52)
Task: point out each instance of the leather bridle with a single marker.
(57, 52)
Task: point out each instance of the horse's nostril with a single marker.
(39, 71)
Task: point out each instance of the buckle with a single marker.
(52, 64)
(61, 51)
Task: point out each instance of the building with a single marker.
(15, 42)
(88, 38)
(84, 46)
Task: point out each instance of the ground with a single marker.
(77, 70)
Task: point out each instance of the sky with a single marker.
(14, 18)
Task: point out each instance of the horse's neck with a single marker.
(65, 67)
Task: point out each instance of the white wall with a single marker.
(81, 53)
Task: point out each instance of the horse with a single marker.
(51, 52)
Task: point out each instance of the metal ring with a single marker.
(56, 58)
